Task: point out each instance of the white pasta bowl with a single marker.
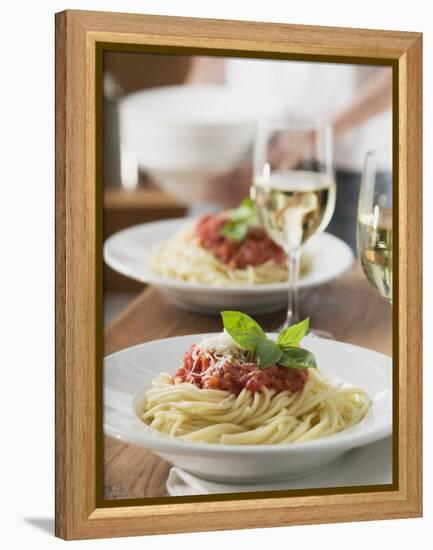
(129, 372)
(129, 251)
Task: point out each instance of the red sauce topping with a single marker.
(234, 378)
(256, 249)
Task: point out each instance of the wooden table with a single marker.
(350, 308)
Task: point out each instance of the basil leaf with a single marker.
(240, 214)
(243, 213)
(267, 353)
(234, 231)
(292, 335)
(297, 358)
(247, 201)
(243, 329)
(236, 227)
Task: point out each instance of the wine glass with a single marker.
(374, 228)
(293, 189)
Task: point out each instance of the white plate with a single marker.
(129, 251)
(128, 372)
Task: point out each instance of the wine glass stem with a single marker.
(293, 264)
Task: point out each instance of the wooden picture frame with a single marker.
(80, 41)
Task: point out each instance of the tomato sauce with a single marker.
(197, 369)
(256, 249)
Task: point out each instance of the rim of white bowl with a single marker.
(151, 278)
(346, 438)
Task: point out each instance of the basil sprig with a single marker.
(267, 353)
(250, 336)
(244, 330)
(292, 335)
(298, 358)
(240, 219)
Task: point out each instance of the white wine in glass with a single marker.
(374, 230)
(294, 190)
(294, 206)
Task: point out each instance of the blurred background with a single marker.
(178, 135)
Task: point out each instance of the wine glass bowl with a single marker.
(293, 189)
(374, 228)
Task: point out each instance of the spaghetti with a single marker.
(184, 258)
(254, 410)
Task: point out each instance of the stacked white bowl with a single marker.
(185, 136)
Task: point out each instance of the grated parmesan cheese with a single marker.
(219, 350)
(221, 343)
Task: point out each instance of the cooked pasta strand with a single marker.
(183, 258)
(183, 410)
